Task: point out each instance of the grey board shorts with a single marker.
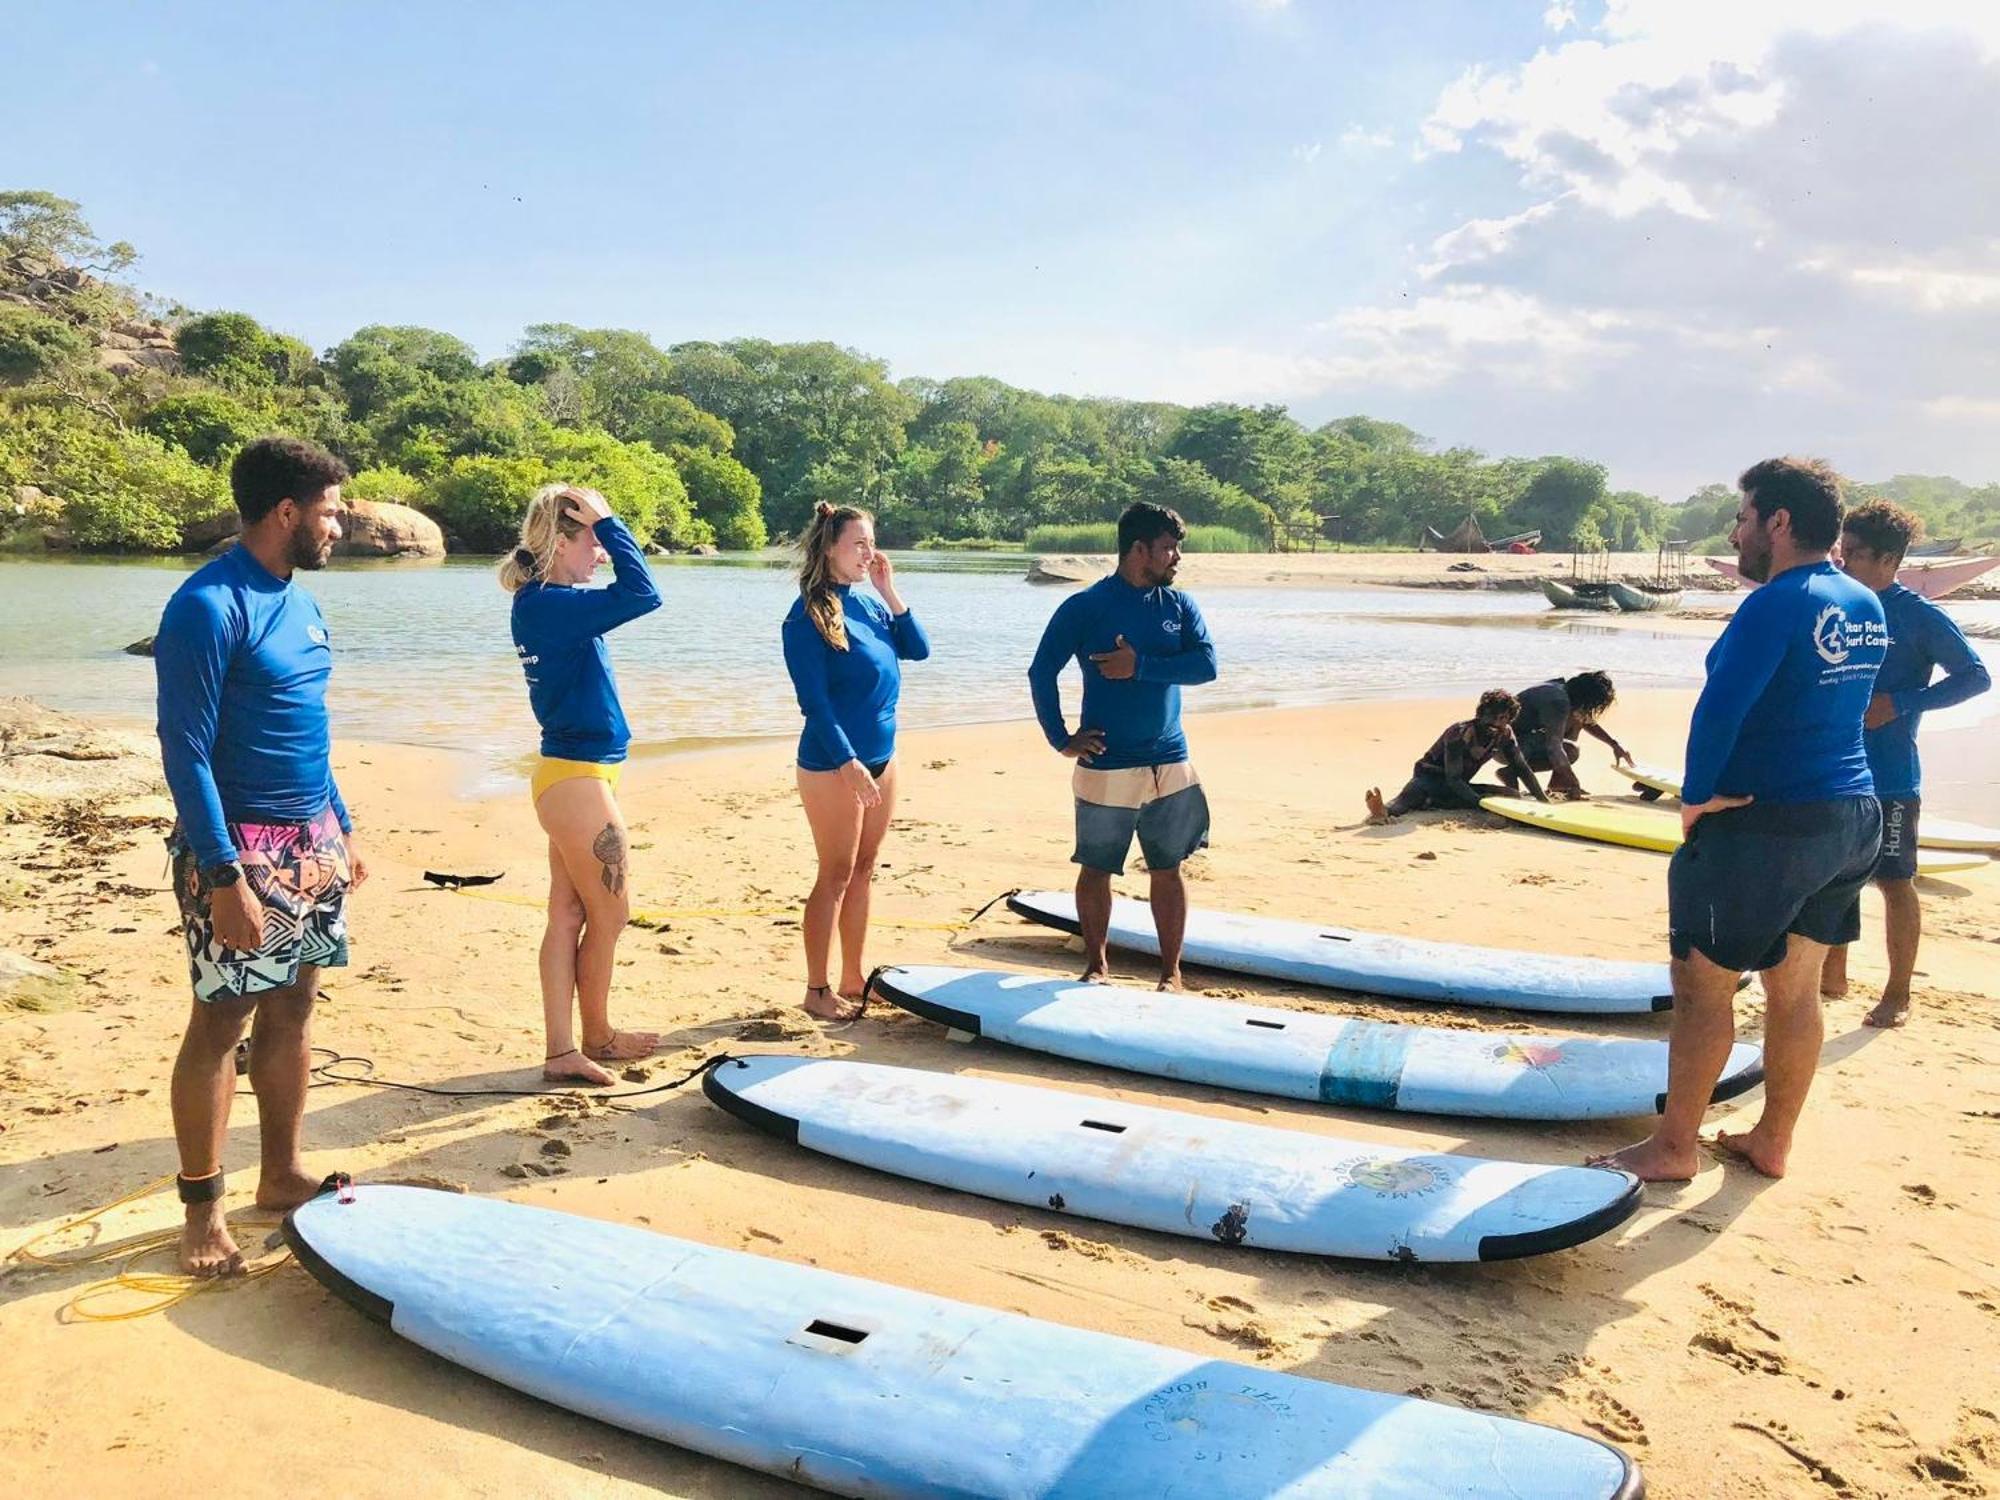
(1163, 805)
(1748, 878)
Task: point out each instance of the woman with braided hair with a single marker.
(845, 652)
(559, 629)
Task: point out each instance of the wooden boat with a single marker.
(1645, 596)
(1575, 595)
(1932, 580)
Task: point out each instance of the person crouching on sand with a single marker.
(559, 629)
(1443, 778)
(845, 652)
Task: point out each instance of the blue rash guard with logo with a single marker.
(1140, 716)
(1922, 637)
(559, 636)
(242, 661)
(849, 697)
(1780, 717)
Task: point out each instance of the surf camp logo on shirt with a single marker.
(1836, 638)
(318, 636)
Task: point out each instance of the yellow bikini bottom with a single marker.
(549, 770)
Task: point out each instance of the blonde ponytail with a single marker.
(546, 523)
(816, 585)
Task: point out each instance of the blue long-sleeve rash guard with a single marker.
(1780, 717)
(1922, 637)
(849, 697)
(1140, 716)
(559, 636)
(242, 660)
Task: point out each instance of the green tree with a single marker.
(480, 501)
(36, 347)
(381, 363)
(1259, 450)
(125, 490)
(640, 482)
(618, 370)
(50, 259)
(206, 425)
(670, 421)
(1200, 499)
(237, 352)
(381, 484)
(1562, 493)
(724, 494)
(935, 491)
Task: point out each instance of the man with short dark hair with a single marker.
(1781, 826)
(1922, 638)
(261, 856)
(1138, 642)
(1553, 715)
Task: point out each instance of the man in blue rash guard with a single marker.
(1138, 642)
(261, 856)
(1922, 638)
(1778, 810)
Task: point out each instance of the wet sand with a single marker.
(1820, 1336)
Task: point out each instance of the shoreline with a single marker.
(1732, 1324)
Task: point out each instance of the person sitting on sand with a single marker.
(262, 850)
(1138, 641)
(1780, 826)
(1443, 778)
(559, 628)
(1922, 638)
(845, 652)
(1553, 715)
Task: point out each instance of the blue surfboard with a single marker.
(857, 1388)
(1377, 963)
(1172, 1171)
(1306, 1055)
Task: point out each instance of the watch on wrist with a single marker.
(227, 873)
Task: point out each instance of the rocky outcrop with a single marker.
(371, 528)
(382, 528)
(1068, 569)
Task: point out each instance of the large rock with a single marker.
(1069, 569)
(382, 528)
(218, 528)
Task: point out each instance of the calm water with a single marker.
(423, 653)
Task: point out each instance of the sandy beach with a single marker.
(1820, 1336)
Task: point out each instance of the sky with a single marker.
(1674, 236)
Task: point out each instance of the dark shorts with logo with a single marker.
(1748, 878)
(1898, 860)
(299, 874)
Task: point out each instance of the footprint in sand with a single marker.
(1732, 1334)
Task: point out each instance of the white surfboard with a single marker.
(1306, 1055)
(1167, 1170)
(1377, 963)
(1932, 832)
(857, 1388)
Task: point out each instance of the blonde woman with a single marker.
(844, 651)
(559, 629)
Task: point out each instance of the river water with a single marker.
(423, 654)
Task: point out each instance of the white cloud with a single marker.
(1308, 153)
(1931, 289)
(1560, 16)
(1480, 239)
(1356, 138)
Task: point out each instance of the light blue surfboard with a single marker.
(1377, 963)
(1172, 1171)
(857, 1388)
(1306, 1055)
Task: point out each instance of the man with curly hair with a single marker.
(262, 862)
(1922, 639)
(1778, 815)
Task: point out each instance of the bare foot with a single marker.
(1650, 1161)
(624, 1046)
(1378, 810)
(1833, 989)
(573, 1067)
(823, 1004)
(1754, 1148)
(207, 1251)
(1097, 973)
(854, 991)
(287, 1189)
(1890, 1010)
(1170, 983)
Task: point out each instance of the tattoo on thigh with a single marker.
(609, 847)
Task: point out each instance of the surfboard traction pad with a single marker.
(1230, 1228)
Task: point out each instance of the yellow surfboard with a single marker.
(1660, 829)
(1932, 833)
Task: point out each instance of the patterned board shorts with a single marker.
(299, 874)
(1164, 805)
